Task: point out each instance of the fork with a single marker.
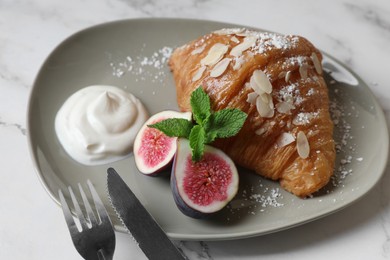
(95, 237)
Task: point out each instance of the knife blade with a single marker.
(152, 240)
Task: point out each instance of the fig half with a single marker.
(204, 187)
(153, 150)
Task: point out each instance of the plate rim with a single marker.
(186, 236)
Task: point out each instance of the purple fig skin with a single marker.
(180, 172)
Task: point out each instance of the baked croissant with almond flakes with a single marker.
(277, 80)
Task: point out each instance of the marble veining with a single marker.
(155, 8)
(355, 32)
(17, 126)
(371, 14)
(195, 250)
(347, 56)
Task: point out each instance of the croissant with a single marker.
(277, 80)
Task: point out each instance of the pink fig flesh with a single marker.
(155, 147)
(153, 150)
(207, 180)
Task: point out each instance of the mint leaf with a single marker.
(210, 136)
(174, 127)
(225, 123)
(200, 104)
(197, 138)
(209, 125)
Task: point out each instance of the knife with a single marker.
(148, 234)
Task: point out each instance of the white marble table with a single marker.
(32, 226)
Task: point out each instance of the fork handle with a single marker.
(102, 256)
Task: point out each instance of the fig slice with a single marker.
(204, 187)
(153, 150)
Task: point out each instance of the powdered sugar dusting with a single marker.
(290, 93)
(268, 41)
(294, 61)
(341, 114)
(144, 67)
(256, 198)
(304, 118)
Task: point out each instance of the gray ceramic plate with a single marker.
(132, 54)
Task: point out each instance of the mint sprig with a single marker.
(209, 124)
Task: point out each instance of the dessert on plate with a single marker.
(277, 80)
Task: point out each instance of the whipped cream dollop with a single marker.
(98, 124)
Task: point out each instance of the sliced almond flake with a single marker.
(316, 62)
(198, 50)
(265, 97)
(198, 74)
(303, 147)
(215, 54)
(264, 108)
(262, 81)
(287, 77)
(282, 74)
(284, 107)
(289, 99)
(220, 68)
(264, 127)
(246, 44)
(251, 98)
(243, 34)
(284, 139)
(288, 124)
(255, 86)
(303, 70)
(261, 131)
(227, 31)
(235, 39)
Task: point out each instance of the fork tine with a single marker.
(67, 214)
(90, 215)
(95, 237)
(101, 210)
(77, 208)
